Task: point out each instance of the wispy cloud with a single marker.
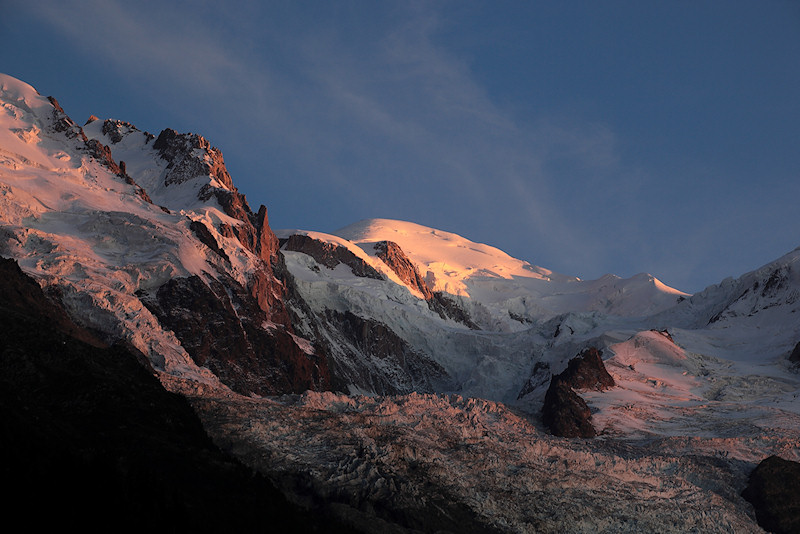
(390, 119)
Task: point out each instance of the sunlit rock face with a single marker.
(330, 255)
(188, 156)
(447, 308)
(146, 239)
(393, 256)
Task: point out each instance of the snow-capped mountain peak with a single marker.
(457, 266)
(446, 259)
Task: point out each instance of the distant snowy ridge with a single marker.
(503, 292)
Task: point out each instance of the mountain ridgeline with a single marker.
(388, 376)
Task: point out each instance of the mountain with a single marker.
(389, 375)
(87, 423)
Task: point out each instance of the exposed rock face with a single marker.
(394, 257)
(539, 377)
(204, 234)
(774, 285)
(370, 354)
(564, 412)
(117, 130)
(664, 333)
(63, 124)
(102, 153)
(586, 371)
(330, 255)
(223, 328)
(219, 297)
(447, 307)
(266, 284)
(364, 355)
(795, 355)
(774, 491)
(190, 156)
(184, 164)
(84, 424)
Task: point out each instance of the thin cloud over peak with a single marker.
(526, 128)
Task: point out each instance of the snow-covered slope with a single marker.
(111, 249)
(507, 286)
(74, 224)
(729, 354)
(499, 314)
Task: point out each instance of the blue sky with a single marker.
(586, 137)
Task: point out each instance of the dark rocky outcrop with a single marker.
(102, 153)
(253, 232)
(123, 173)
(244, 334)
(207, 238)
(63, 124)
(183, 164)
(370, 355)
(777, 281)
(539, 377)
(223, 328)
(266, 282)
(586, 371)
(774, 492)
(794, 357)
(90, 437)
(97, 150)
(330, 255)
(116, 130)
(564, 412)
(191, 156)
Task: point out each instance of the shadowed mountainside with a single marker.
(90, 437)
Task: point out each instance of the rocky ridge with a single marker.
(564, 412)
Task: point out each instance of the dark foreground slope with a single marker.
(91, 439)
